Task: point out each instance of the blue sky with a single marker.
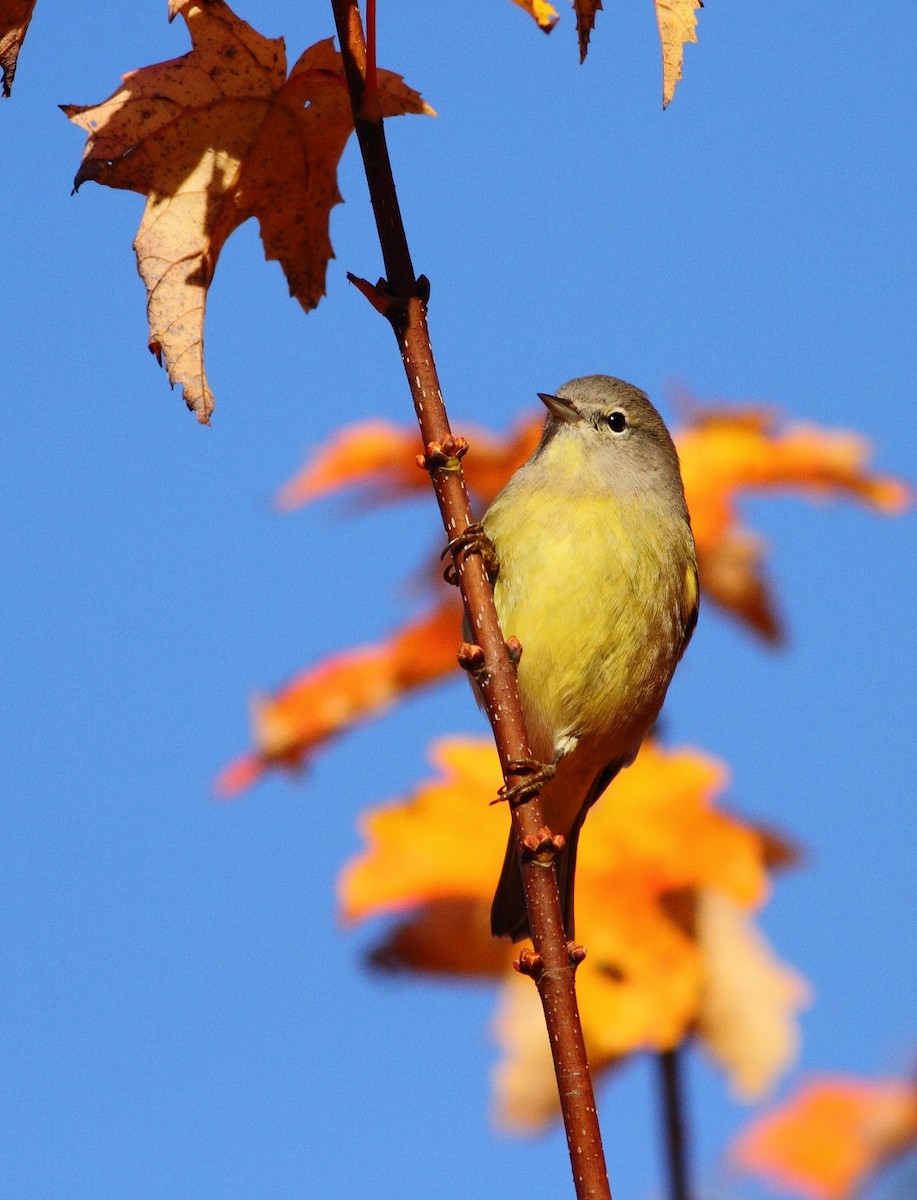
(182, 1016)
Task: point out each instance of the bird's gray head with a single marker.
(617, 426)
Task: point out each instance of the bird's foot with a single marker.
(535, 776)
(473, 540)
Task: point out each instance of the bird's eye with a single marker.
(617, 422)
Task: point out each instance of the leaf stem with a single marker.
(403, 298)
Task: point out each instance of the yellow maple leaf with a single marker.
(213, 138)
(825, 1141)
(15, 16)
(445, 841)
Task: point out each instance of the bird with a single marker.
(596, 576)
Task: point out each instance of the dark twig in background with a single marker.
(673, 1123)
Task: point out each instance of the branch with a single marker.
(402, 297)
(674, 1123)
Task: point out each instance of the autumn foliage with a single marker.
(670, 879)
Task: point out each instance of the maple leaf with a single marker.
(657, 838)
(213, 138)
(831, 1136)
(379, 458)
(730, 452)
(329, 698)
(446, 841)
(15, 16)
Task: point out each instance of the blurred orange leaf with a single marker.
(446, 841)
(15, 16)
(213, 138)
(333, 696)
(380, 458)
(727, 453)
(655, 836)
(831, 1136)
(658, 827)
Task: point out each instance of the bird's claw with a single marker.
(473, 540)
(535, 776)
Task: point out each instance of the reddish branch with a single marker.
(402, 297)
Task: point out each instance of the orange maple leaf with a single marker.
(213, 138)
(379, 458)
(15, 16)
(323, 701)
(649, 976)
(831, 1136)
(726, 453)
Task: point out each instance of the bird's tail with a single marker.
(508, 915)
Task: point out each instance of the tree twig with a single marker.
(673, 1121)
(403, 299)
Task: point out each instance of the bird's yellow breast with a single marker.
(598, 588)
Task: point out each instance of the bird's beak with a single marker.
(562, 409)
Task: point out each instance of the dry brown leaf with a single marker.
(585, 20)
(14, 22)
(213, 138)
(749, 1000)
(677, 23)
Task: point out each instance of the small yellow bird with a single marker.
(597, 578)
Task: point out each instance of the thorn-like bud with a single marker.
(471, 657)
(541, 847)
(423, 289)
(529, 963)
(377, 294)
(576, 953)
(514, 650)
(447, 454)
